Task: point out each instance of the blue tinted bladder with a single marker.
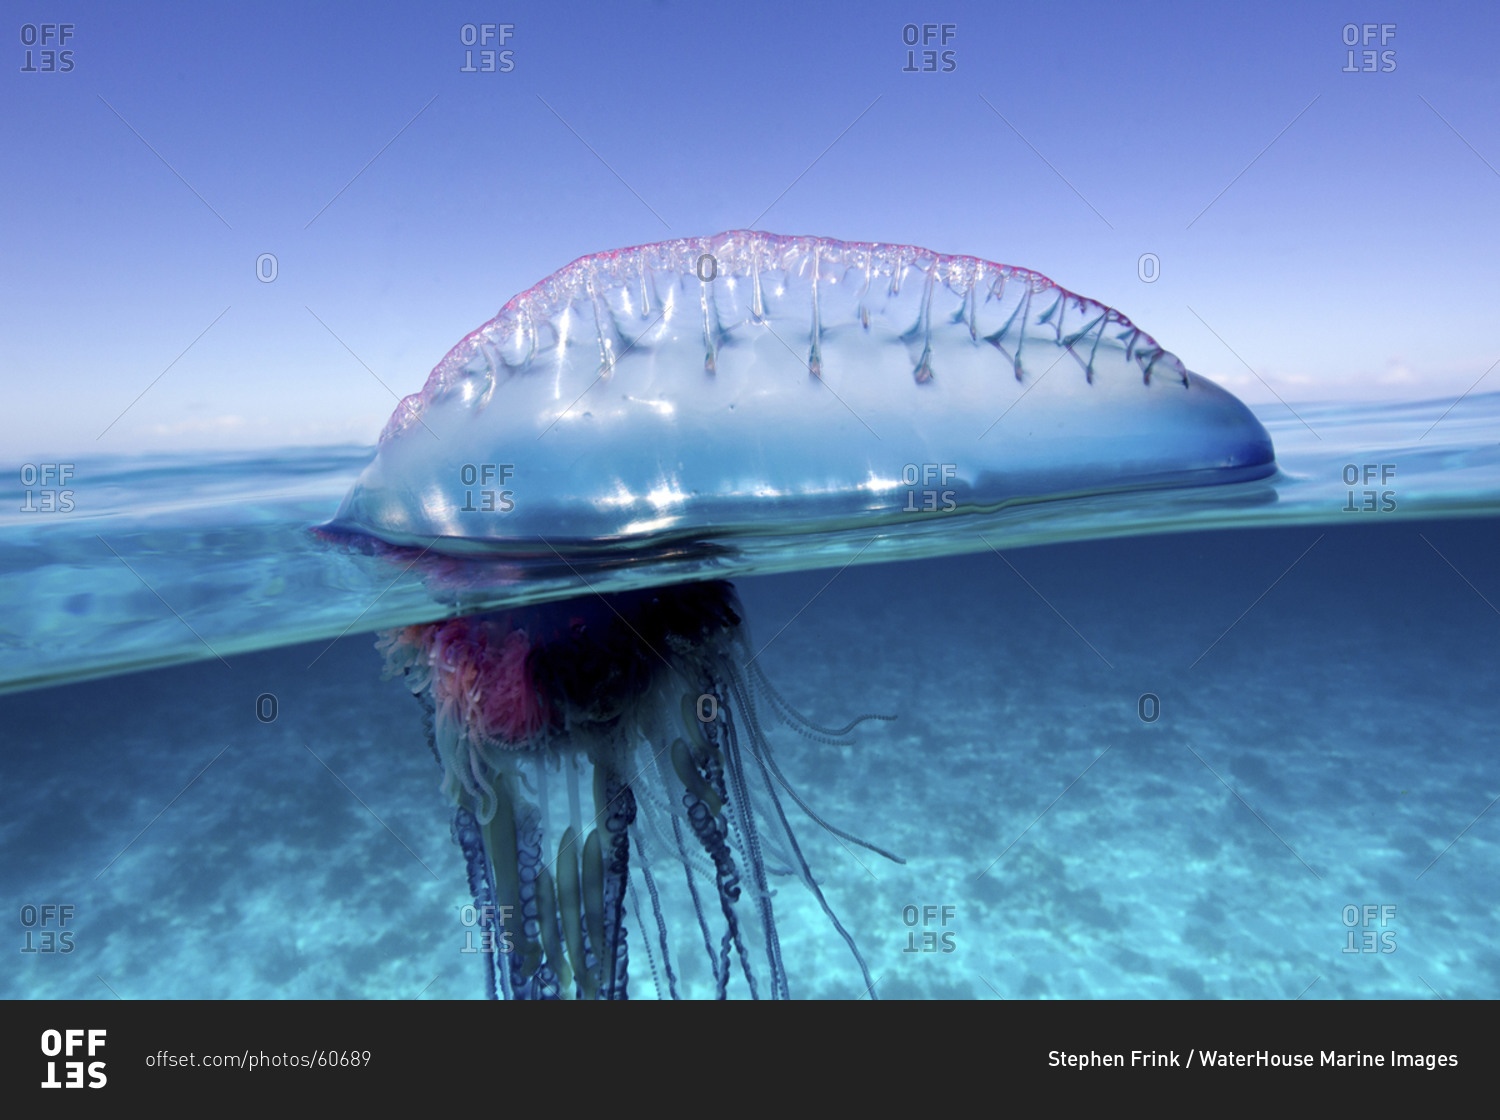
(748, 383)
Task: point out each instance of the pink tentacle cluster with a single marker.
(509, 704)
(478, 678)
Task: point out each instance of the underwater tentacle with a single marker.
(566, 928)
(593, 912)
(551, 933)
(760, 750)
(712, 831)
(652, 811)
(717, 753)
(720, 980)
(635, 911)
(661, 923)
(428, 714)
(762, 747)
(806, 871)
(710, 835)
(500, 840)
(770, 760)
(724, 730)
(570, 909)
(618, 811)
(544, 982)
(834, 736)
(471, 842)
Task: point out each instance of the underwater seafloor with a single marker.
(1304, 810)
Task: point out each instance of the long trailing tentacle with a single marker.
(576, 911)
(552, 934)
(722, 728)
(635, 912)
(469, 834)
(540, 972)
(710, 834)
(761, 745)
(770, 760)
(656, 805)
(618, 810)
(466, 832)
(661, 924)
(513, 847)
(807, 877)
(703, 797)
(720, 980)
(833, 736)
(428, 715)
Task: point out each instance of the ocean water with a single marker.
(1228, 743)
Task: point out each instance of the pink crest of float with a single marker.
(509, 340)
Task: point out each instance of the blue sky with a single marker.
(1355, 258)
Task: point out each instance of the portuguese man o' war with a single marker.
(605, 750)
(647, 706)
